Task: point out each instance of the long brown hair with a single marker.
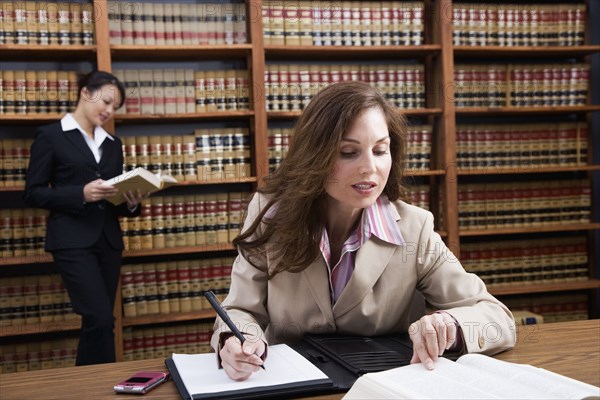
(296, 190)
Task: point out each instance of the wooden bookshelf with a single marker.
(438, 56)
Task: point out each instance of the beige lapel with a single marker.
(371, 260)
(315, 277)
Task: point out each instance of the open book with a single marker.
(286, 373)
(138, 178)
(472, 376)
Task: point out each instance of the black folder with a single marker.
(342, 358)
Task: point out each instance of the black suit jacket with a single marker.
(61, 164)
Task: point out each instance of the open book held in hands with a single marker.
(472, 376)
(138, 179)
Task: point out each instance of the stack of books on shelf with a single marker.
(527, 261)
(185, 221)
(523, 146)
(161, 342)
(291, 87)
(345, 23)
(418, 147)
(14, 158)
(47, 23)
(22, 231)
(173, 286)
(521, 85)
(183, 91)
(34, 299)
(553, 308)
(37, 92)
(524, 204)
(57, 353)
(518, 24)
(160, 24)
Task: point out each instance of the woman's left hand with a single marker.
(134, 198)
(431, 336)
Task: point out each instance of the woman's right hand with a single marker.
(96, 190)
(239, 362)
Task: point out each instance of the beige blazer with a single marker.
(377, 299)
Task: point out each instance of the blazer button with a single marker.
(101, 206)
(481, 342)
(98, 175)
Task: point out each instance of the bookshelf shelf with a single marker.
(431, 172)
(525, 170)
(524, 52)
(504, 290)
(170, 118)
(190, 183)
(423, 112)
(533, 229)
(496, 111)
(164, 318)
(349, 52)
(31, 119)
(32, 52)
(41, 327)
(127, 254)
(177, 53)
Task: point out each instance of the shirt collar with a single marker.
(379, 219)
(68, 123)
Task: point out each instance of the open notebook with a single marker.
(286, 373)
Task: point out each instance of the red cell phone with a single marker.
(141, 382)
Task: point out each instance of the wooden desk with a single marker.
(568, 348)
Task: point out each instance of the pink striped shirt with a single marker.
(379, 220)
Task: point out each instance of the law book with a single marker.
(138, 179)
(472, 376)
(286, 373)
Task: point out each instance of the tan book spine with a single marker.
(222, 218)
(185, 288)
(159, 89)
(141, 305)
(180, 94)
(162, 288)
(170, 86)
(196, 293)
(159, 24)
(169, 213)
(179, 217)
(200, 91)
(190, 91)
(20, 26)
(31, 23)
(173, 287)
(145, 230)
(150, 288)
(114, 22)
(149, 22)
(200, 219)
(189, 158)
(127, 11)
(146, 91)
(76, 23)
(138, 27)
(128, 292)
(210, 212)
(189, 221)
(87, 24)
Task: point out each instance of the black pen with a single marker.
(216, 304)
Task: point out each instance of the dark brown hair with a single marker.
(296, 190)
(94, 80)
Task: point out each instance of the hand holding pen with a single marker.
(238, 361)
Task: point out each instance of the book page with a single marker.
(549, 384)
(200, 374)
(479, 377)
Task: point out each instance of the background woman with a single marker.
(70, 159)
